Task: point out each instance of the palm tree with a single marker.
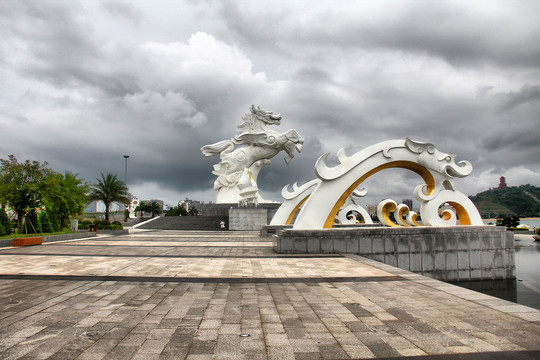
(155, 208)
(109, 189)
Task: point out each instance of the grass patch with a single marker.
(14, 235)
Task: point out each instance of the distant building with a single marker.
(99, 206)
(407, 202)
(188, 204)
(502, 183)
(372, 210)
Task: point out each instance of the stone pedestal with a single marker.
(460, 253)
(250, 218)
(247, 219)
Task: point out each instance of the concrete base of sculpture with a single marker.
(247, 219)
(460, 253)
(243, 218)
(276, 229)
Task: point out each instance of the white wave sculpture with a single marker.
(346, 214)
(438, 170)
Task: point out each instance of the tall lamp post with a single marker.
(126, 216)
(125, 173)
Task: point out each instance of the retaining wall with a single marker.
(51, 238)
(460, 253)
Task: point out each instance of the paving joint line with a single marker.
(203, 280)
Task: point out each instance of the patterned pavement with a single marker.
(227, 295)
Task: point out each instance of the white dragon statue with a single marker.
(250, 149)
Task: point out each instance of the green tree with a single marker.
(23, 185)
(510, 221)
(66, 198)
(193, 211)
(31, 222)
(46, 225)
(155, 208)
(177, 211)
(109, 189)
(4, 222)
(143, 206)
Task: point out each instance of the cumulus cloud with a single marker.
(85, 83)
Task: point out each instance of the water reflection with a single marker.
(503, 289)
(525, 289)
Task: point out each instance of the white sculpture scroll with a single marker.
(345, 214)
(253, 147)
(292, 202)
(438, 171)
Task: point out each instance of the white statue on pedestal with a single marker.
(257, 144)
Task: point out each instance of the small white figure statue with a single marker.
(131, 208)
(257, 144)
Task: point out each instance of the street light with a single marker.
(125, 173)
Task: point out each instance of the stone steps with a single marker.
(186, 223)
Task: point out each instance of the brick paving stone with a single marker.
(176, 295)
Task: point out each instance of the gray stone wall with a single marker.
(247, 218)
(458, 253)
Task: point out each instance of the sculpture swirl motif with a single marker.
(257, 144)
(438, 170)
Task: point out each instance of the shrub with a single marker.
(46, 225)
(510, 221)
(83, 224)
(5, 223)
(102, 225)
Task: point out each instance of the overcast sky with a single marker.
(83, 83)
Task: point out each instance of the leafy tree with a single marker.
(193, 211)
(142, 207)
(31, 222)
(109, 189)
(154, 208)
(510, 221)
(66, 198)
(177, 211)
(22, 185)
(4, 223)
(46, 225)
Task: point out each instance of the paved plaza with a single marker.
(228, 295)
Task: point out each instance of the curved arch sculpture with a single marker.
(438, 170)
(293, 200)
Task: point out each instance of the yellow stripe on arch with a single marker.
(387, 209)
(462, 214)
(417, 168)
(291, 216)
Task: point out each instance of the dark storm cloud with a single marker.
(63, 49)
(526, 95)
(94, 87)
(462, 35)
(123, 10)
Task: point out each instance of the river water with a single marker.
(525, 289)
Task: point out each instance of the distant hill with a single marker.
(523, 201)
